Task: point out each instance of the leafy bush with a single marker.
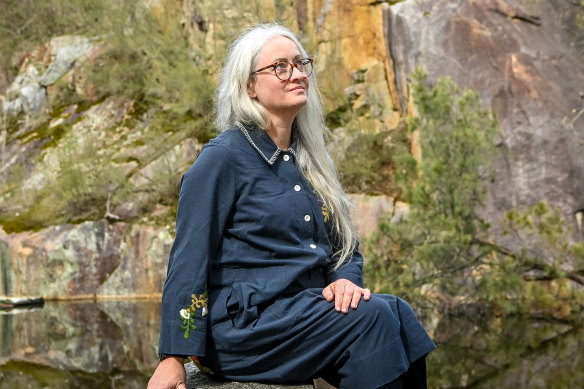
(148, 63)
(367, 165)
(24, 24)
(437, 240)
(444, 250)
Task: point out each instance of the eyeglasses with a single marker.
(284, 69)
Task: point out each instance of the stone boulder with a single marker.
(198, 380)
(40, 70)
(369, 210)
(525, 60)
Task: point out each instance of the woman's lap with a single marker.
(366, 348)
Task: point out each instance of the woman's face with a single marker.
(280, 98)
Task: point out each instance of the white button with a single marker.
(312, 246)
(286, 157)
(297, 188)
(307, 218)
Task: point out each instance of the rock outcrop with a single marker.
(524, 59)
(198, 380)
(88, 210)
(90, 260)
(28, 93)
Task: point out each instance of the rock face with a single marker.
(524, 60)
(28, 93)
(92, 259)
(88, 213)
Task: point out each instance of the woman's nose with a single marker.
(297, 73)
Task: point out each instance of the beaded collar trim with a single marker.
(273, 158)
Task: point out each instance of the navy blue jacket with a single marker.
(250, 231)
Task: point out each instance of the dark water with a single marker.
(113, 344)
(110, 344)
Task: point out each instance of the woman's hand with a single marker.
(170, 374)
(345, 293)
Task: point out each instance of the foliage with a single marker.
(367, 164)
(25, 24)
(149, 59)
(444, 249)
(79, 190)
(363, 148)
(146, 61)
(437, 239)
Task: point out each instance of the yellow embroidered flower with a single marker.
(325, 212)
(188, 314)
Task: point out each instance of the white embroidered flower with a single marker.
(185, 314)
(204, 313)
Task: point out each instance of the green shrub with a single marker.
(436, 242)
(149, 62)
(444, 249)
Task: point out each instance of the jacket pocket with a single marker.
(233, 304)
(239, 308)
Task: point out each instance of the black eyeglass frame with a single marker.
(292, 66)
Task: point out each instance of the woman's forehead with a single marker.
(279, 47)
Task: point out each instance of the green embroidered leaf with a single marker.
(188, 314)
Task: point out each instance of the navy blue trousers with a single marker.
(369, 347)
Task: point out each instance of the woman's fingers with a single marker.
(328, 293)
(339, 290)
(366, 294)
(347, 297)
(356, 297)
(346, 294)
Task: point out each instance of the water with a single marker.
(113, 344)
(110, 344)
(487, 352)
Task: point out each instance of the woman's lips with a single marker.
(297, 88)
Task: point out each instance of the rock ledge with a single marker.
(198, 380)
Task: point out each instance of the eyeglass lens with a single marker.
(284, 69)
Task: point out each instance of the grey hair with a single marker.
(314, 162)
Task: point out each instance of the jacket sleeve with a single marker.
(351, 270)
(207, 194)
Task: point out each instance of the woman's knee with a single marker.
(377, 311)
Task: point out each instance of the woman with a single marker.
(265, 280)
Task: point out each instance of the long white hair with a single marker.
(234, 104)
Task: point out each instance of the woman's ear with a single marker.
(251, 90)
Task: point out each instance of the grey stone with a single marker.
(198, 380)
(87, 259)
(65, 51)
(28, 92)
(527, 66)
(25, 94)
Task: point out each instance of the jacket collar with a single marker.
(263, 144)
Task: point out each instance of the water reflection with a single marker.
(109, 344)
(507, 353)
(113, 344)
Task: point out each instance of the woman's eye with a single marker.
(281, 65)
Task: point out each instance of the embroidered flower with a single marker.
(188, 314)
(325, 212)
